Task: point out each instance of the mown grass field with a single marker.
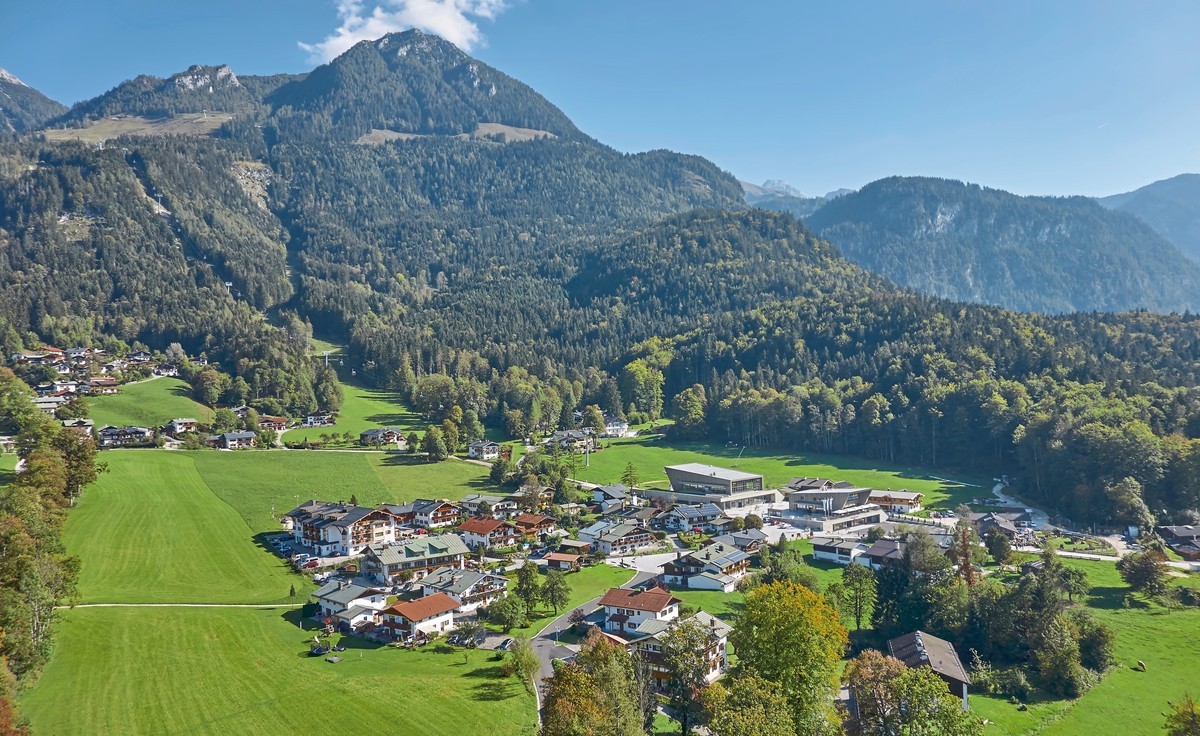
(127, 672)
(152, 531)
(147, 404)
(650, 454)
(256, 483)
(586, 584)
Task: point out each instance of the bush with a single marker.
(1011, 682)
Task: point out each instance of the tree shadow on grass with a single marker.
(7, 476)
(1113, 597)
(403, 459)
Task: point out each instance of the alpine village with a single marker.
(384, 399)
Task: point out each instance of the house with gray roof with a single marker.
(920, 649)
(413, 558)
(617, 538)
(692, 516)
(340, 528)
(471, 588)
(348, 605)
(647, 640)
(747, 540)
(714, 567)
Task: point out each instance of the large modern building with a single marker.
(826, 507)
(694, 483)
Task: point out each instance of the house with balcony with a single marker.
(648, 642)
(232, 440)
(110, 436)
(825, 507)
(898, 502)
(610, 538)
(747, 540)
(497, 506)
(534, 525)
(483, 450)
(625, 609)
(419, 620)
(412, 559)
(471, 588)
(383, 436)
(481, 532)
(714, 567)
(348, 605)
(340, 528)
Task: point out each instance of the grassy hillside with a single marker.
(151, 530)
(650, 454)
(362, 408)
(247, 671)
(148, 404)
(254, 483)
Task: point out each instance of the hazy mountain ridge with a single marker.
(967, 242)
(1170, 206)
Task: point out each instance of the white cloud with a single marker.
(457, 21)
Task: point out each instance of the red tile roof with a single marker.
(482, 526)
(654, 599)
(423, 608)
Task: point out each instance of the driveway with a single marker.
(548, 649)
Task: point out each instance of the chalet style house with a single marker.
(616, 539)
(716, 651)
(626, 609)
(472, 589)
(487, 533)
(483, 450)
(341, 529)
(715, 567)
(390, 564)
(533, 525)
(419, 620)
(111, 436)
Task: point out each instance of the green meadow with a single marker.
(222, 671)
(651, 454)
(147, 404)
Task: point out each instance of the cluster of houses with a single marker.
(89, 371)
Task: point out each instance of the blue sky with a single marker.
(1063, 97)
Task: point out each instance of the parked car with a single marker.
(312, 564)
(300, 557)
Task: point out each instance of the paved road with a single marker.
(548, 650)
(183, 605)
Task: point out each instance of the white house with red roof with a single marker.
(626, 609)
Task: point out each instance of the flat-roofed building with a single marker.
(826, 507)
(696, 483)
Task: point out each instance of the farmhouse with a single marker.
(483, 450)
(179, 426)
(497, 507)
(232, 440)
(695, 483)
(572, 440)
(434, 513)
(419, 620)
(413, 558)
(487, 533)
(111, 436)
(614, 427)
(897, 502)
(390, 436)
(83, 426)
(919, 649)
(341, 529)
(275, 424)
(610, 493)
(470, 588)
(626, 609)
(318, 419)
(616, 539)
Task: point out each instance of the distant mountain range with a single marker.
(969, 243)
(22, 107)
(1171, 206)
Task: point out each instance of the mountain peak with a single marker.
(415, 44)
(7, 76)
(779, 186)
(200, 77)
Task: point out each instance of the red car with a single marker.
(311, 564)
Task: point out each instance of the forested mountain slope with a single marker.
(1048, 254)
(1170, 206)
(23, 107)
(524, 280)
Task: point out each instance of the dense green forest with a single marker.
(1047, 254)
(524, 280)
